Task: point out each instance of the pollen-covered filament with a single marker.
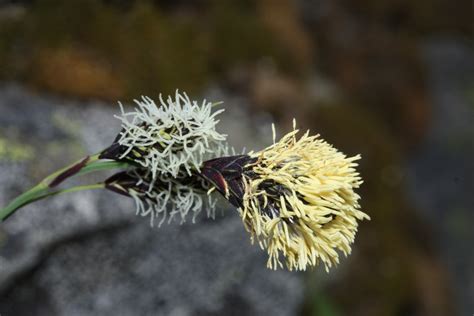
(299, 202)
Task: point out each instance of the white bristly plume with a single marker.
(176, 200)
(172, 138)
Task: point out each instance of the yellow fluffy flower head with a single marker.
(296, 198)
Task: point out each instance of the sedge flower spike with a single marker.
(296, 198)
(166, 144)
(169, 139)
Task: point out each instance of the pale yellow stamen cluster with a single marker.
(318, 210)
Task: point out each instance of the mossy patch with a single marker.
(98, 49)
(13, 151)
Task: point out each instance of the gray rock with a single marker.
(88, 254)
(442, 170)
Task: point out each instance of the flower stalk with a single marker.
(47, 187)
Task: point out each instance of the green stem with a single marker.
(23, 199)
(38, 193)
(96, 186)
(47, 181)
(44, 188)
(102, 165)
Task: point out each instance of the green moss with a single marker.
(12, 151)
(318, 300)
(12, 57)
(151, 51)
(72, 146)
(234, 41)
(66, 124)
(159, 54)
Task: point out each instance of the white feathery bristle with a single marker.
(176, 136)
(177, 200)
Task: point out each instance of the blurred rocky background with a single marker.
(390, 79)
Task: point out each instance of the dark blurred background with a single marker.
(390, 79)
